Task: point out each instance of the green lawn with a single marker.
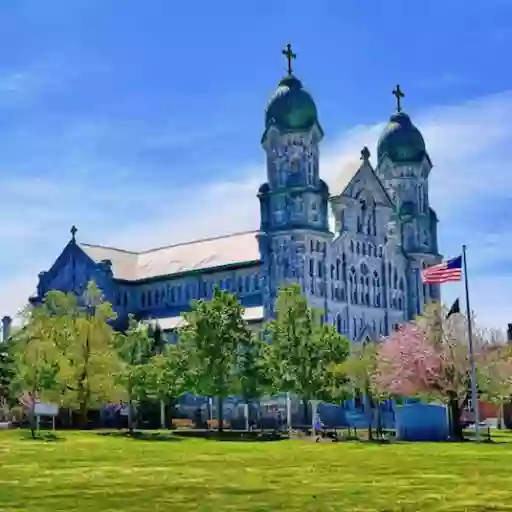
(91, 472)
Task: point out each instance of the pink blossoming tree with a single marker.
(429, 358)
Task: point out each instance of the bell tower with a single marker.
(294, 231)
(404, 167)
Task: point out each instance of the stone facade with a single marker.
(364, 274)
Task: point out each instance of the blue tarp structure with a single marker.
(421, 422)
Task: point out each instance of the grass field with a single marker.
(93, 472)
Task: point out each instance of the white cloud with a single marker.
(467, 143)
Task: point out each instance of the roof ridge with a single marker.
(190, 242)
(110, 248)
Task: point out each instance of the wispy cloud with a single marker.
(468, 143)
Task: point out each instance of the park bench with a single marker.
(214, 424)
(183, 423)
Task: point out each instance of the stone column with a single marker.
(6, 327)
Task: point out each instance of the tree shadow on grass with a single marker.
(139, 435)
(47, 437)
(229, 436)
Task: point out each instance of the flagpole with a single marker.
(474, 397)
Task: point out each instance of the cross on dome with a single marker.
(289, 56)
(398, 94)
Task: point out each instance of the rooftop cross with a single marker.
(289, 56)
(73, 232)
(398, 93)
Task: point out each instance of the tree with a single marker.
(36, 359)
(253, 378)
(135, 349)
(86, 340)
(303, 349)
(157, 347)
(6, 374)
(358, 370)
(212, 334)
(495, 371)
(167, 377)
(429, 357)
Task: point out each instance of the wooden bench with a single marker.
(214, 424)
(183, 423)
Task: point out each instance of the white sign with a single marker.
(46, 410)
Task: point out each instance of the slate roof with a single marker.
(202, 254)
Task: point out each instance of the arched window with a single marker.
(248, 283)
(311, 267)
(367, 290)
(338, 263)
(395, 279)
(361, 281)
(353, 285)
(351, 245)
(338, 322)
(400, 303)
(143, 299)
(401, 285)
(240, 284)
(376, 287)
(355, 326)
(358, 248)
(149, 301)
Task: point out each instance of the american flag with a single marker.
(450, 270)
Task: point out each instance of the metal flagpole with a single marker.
(474, 397)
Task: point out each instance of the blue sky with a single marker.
(140, 121)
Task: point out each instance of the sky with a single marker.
(140, 122)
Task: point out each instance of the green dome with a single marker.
(291, 107)
(401, 140)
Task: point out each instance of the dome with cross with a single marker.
(401, 141)
(291, 107)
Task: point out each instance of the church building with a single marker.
(363, 271)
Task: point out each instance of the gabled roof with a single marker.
(202, 254)
(349, 175)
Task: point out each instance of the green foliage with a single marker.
(134, 348)
(6, 371)
(253, 376)
(87, 343)
(212, 334)
(303, 350)
(167, 374)
(36, 357)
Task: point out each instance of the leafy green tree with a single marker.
(167, 377)
(304, 350)
(212, 334)
(36, 359)
(86, 340)
(135, 349)
(6, 374)
(253, 375)
(358, 371)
